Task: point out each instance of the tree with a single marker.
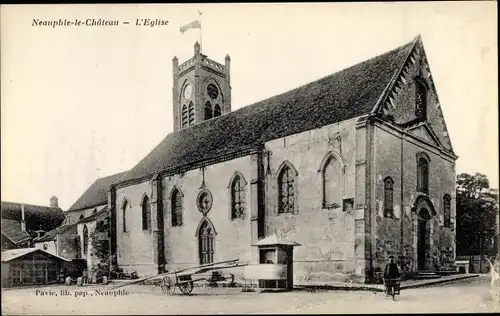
(100, 249)
(477, 216)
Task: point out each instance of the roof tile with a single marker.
(97, 193)
(12, 230)
(344, 95)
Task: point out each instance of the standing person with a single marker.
(391, 271)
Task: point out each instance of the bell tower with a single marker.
(201, 89)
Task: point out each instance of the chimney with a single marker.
(23, 222)
(53, 201)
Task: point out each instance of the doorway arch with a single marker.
(423, 238)
(424, 212)
(206, 241)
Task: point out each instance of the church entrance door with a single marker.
(423, 238)
(206, 243)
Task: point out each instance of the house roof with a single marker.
(12, 254)
(344, 95)
(97, 193)
(94, 216)
(36, 216)
(51, 235)
(273, 240)
(12, 230)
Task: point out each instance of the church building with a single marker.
(356, 166)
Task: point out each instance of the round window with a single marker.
(204, 201)
(212, 91)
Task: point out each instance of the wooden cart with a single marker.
(185, 279)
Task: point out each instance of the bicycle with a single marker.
(393, 287)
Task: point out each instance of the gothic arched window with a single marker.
(176, 204)
(286, 187)
(81, 217)
(124, 213)
(389, 197)
(217, 110)
(447, 210)
(85, 239)
(191, 113)
(146, 213)
(422, 173)
(420, 98)
(208, 111)
(332, 183)
(237, 198)
(185, 120)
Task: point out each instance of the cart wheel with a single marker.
(168, 285)
(186, 288)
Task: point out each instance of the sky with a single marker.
(78, 103)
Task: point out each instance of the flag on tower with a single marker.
(193, 25)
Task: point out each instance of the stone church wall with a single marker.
(135, 246)
(74, 216)
(232, 239)
(441, 182)
(326, 235)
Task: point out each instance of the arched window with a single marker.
(81, 217)
(176, 203)
(422, 174)
(447, 210)
(206, 243)
(124, 213)
(332, 183)
(420, 98)
(208, 111)
(94, 211)
(389, 197)
(237, 198)
(217, 110)
(85, 239)
(146, 213)
(184, 116)
(191, 113)
(286, 187)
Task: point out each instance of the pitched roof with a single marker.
(12, 254)
(94, 216)
(97, 193)
(344, 95)
(51, 235)
(274, 240)
(12, 230)
(36, 216)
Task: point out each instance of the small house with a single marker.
(13, 236)
(30, 266)
(62, 241)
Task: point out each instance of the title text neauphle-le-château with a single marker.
(98, 22)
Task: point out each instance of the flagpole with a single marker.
(201, 39)
(201, 34)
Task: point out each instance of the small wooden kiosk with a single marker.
(275, 268)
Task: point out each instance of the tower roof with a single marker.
(344, 95)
